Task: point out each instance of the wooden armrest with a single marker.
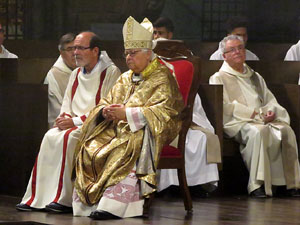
(212, 102)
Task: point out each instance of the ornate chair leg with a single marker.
(185, 191)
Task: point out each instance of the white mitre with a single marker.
(137, 35)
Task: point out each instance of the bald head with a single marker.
(86, 34)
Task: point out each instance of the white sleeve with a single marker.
(292, 54)
(66, 104)
(199, 115)
(217, 55)
(54, 98)
(77, 121)
(135, 118)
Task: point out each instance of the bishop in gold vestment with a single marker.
(116, 159)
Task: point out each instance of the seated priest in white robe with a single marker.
(50, 184)
(293, 54)
(58, 76)
(236, 25)
(253, 118)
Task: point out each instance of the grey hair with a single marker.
(65, 39)
(153, 55)
(228, 38)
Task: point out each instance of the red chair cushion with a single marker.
(169, 151)
(184, 71)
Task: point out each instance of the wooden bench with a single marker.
(34, 70)
(115, 49)
(8, 70)
(23, 124)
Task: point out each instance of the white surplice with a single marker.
(268, 150)
(50, 179)
(198, 171)
(293, 54)
(6, 54)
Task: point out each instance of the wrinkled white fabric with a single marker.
(198, 171)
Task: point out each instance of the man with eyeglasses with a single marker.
(253, 118)
(58, 76)
(118, 152)
(236, 25)
(4, 53)
(50, 186)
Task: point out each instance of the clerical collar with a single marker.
(136, 77)
(84, 70)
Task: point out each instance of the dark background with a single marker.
(204, 20)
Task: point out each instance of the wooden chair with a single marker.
(187, 74)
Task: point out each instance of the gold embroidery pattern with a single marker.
(137, 44)
(129, 28)
(116, 159)
(150, 68)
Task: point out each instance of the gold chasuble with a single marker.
(109, 150)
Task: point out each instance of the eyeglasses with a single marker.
(80, 48)
(234, 49)
(131, 53)
(69, 49)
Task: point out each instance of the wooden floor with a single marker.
(169, 211)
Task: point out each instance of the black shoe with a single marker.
(24, 208)
(199, 192)
(293, 193)
(102, 215)
(259, 193)
(58, 208)
(279, 191)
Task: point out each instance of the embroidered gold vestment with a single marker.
(108, 151)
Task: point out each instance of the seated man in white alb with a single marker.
(4, 53)
(58, 76)
(253, 117)
(50, 186)
(236, 26)
(201, 172)
(293, 54)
